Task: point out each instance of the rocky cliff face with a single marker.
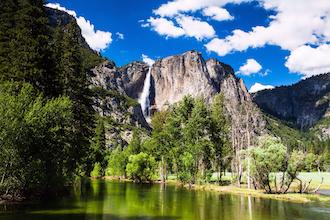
(123, 114)
(133, 76)
(117, 102)
(176, 76)
(304, 103)
(59, 18)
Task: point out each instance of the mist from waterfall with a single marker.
(144, 97)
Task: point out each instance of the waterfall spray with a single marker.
(144, 97)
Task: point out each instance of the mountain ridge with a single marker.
(303, 103)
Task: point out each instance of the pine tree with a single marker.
(25, 49)
(99, 144)
(219, 133)
(74, 83)
(7, 23)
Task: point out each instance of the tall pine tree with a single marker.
(74, 83)
(25, 53)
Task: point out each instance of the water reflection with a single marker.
(101, 200)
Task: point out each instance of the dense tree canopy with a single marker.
(189, 139)
(47, 119)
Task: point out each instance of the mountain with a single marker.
(174, 77)
(303, 104)
(189, 74)
(61, 19)
(118, 90)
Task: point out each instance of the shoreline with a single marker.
(229, 190)
(234, 190)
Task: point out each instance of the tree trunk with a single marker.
(162, 170)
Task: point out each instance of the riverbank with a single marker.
(244, 191)
(291, 197)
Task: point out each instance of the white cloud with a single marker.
(193, 27)
(59, 7)
(165, 27)
(120, 35)
(217, 13)
(173, 19)
(258, 87)
(251, 66)
(176, 7)
(295, 25)
(186, 26)
(96, 39)
(309, 61)
(147, 60)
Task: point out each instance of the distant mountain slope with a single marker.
(303, 104)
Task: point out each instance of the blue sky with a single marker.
(267, 42)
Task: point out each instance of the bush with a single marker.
(269, 157)
(117, 163)
(97, 170)
(141, 167)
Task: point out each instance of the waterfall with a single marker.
(144, 97)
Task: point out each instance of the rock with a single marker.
(112, 102)
(303, 103)
(177, 76)
(189, 74)
(133, 76)
(61, 19)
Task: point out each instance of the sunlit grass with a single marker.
(294, 197)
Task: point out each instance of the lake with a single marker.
(103, 200)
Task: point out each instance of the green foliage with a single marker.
(311, 162)
(25, 52)
(135, 145)
(46, 126)
(269, 157)
(189, 139)
(219, 133)
(99, 148)
(187, 167)
(141, 167)
(117, 162)
(32, 131)
(73, 82)
(97, 170)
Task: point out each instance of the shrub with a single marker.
(97, 170)
(141, 167)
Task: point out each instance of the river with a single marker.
(103, 200)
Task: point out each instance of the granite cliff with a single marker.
(174, 77)
(303, 104)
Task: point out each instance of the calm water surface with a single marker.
(103, 200)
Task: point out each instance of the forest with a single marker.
(47, 119)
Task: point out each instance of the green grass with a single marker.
(304, 176)
(315, 176)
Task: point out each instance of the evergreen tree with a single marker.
(74, 83)
(219, 133)
(196, 136)
(25, 53)
(99, 145)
